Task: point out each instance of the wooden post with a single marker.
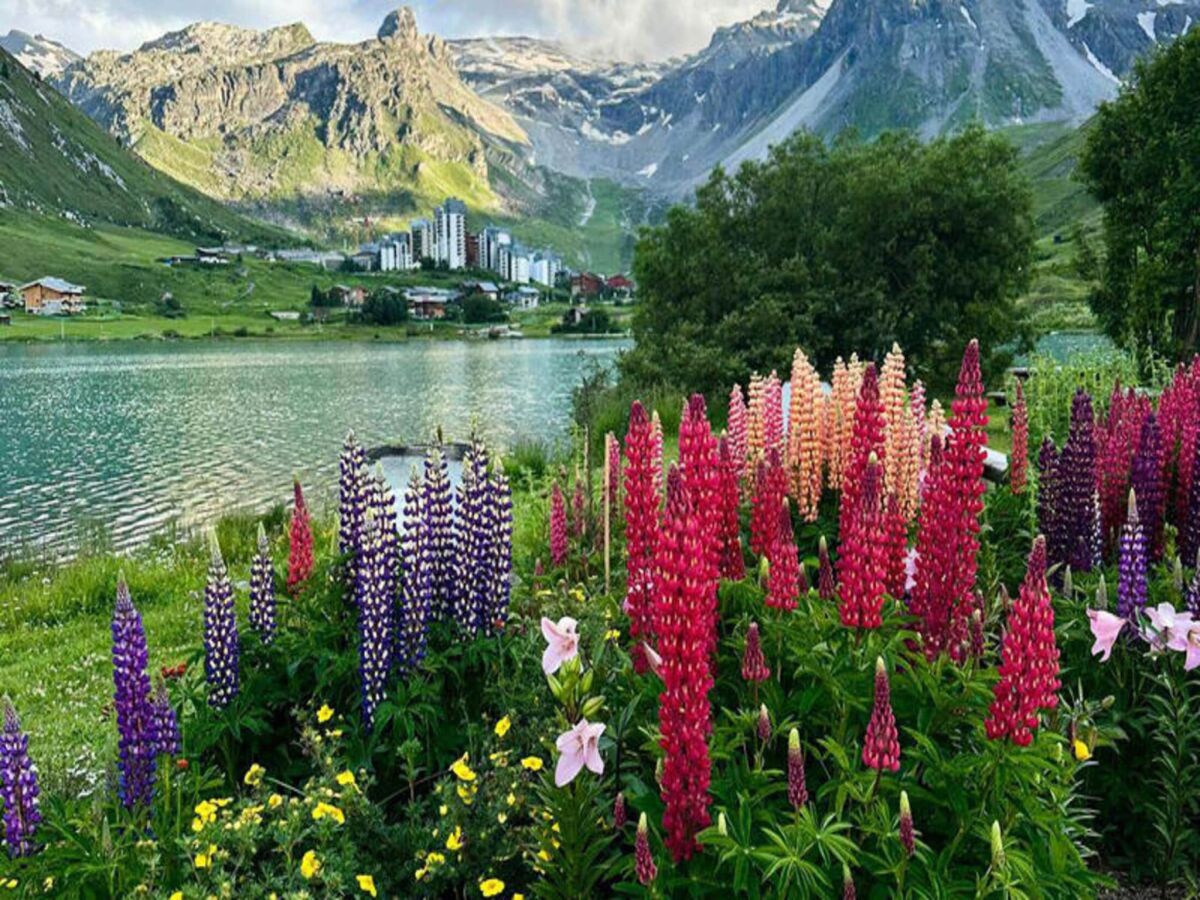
(607, 518)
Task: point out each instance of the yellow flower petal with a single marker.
(366, 884)
(490, 887)
(533, 763)
(1082, 752)
(346, 779)
(254, 775)
(455, 842)
(310, 865)
(502, 726)
(324, 714)
(461, 770)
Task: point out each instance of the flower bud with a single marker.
(722, 825)
(1102, 593)
(619, 817)
(848, 892)
(647, 871)
(797, 788)
(1068, 584)
(906, 825)
(764, 723)
(998, 860)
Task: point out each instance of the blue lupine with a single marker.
(353, 491)
(375, 616)
(164, 723)
(502, 529)
(262, 590)
(221, 648)
(1131, 584)
(19, 788)
(417, 561)
(131, 700)
(1146, 479)
(438, 510)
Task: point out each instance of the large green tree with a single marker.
(836, 249)
(1142, 160)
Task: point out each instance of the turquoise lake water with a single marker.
(131, 436)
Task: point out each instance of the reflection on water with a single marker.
(132, 436)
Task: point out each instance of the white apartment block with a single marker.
(450, 232)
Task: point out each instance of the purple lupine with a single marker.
(352, 501)
(1077, 479)
(437, 507)
(1048, 502)
(262, 590)
(475, 542)
(221, 648)
(417, 564)
(797, 790)
(164, 723)
(131, 700)
(375, 616)
(1131, 583)
(1193, 592)
(19, 789)
(1189, 534)
(1146, 479)
(382, 502)
(502, 530)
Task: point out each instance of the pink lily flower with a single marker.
(579, 747)
(653, 659)
(1167, 623)
(1106, 628)
(562, 643)
(1188, 641)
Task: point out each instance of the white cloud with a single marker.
(629, 29)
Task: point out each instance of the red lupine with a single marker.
(826, 588)
(881, 747)
(699, 467)
(644, 865)
(642, 477)
(1179, 420)
(1117, 439)
(579, 507)
(619, 814)
(1028, 658)
(732, 566)
(908, 838)
(783, 578)
(738, 437)
(895, 541)
(1018, 460)
(300, 545)
(948, 542)
(754, 666)
(797, 788)
(866, 439)
(770, 489)
(558, 526)
(863, 554)
(685, 628)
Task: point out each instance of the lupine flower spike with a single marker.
(754, 667)
(353, 493)
(826, 587)
(907, 837)
(300, 546)
(164, 723)
(881, 747)
(418, 567)
(1018, 466)
(647, 871)
(764, 723)
(558, 526)
(619, 813)
(262, 590)
(20, 792)
(1131, 581)
(221, 648)
(437, 512)
(375, 623)
(641, 529)
(131, 701)
(797, 788)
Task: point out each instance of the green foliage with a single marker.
(1140, 162)
(478, 309)
(836, 249)
(385, 308)
(1051, 385)
(594, 321)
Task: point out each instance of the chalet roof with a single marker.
(56, 284)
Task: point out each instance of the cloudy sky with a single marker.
(630, 29)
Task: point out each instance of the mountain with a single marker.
(825, 65)
(56, 162)
(38, 53)
(272, 116)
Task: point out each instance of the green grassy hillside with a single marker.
(56, 162)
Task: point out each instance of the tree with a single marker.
(1142, 162)
(478, 308)
(385, 308)
(837, 249)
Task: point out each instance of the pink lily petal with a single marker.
(562, 643)
(1106, 628)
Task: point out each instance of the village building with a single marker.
(53, 297)
(212, 256)
(619, 286)
(425, 304)
(524, 297)
(347, 295)
(487, 289)
(586, 284)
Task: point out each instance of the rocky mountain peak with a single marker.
(400, 24)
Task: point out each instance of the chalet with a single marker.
(212, 256)
(429, 303)
(487, 289)
(8, 294)
(366, 260)
(524, 297)
(52, 297)
(586, 284)
(346, 295)
(619, 286)
(574, 315)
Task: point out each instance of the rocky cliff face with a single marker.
(247, 115)
(38, 53)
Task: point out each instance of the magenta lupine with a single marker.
(619, 814)
(20, 792)
(612, 480)
(579, 521)
(164, 723)
(375, 622)
(1189, 532)
(642, 477)
(417, 563)
(262, 590)
(644, 865)
(1131, 583)
(558, 527)
(437, 508)
(221, 648)
(352, 500)
(754, 666)
(797, 788)
(881, 747)
(1146, 479)
(908, 838)
(132, 703)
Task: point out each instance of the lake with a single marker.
(132, 436)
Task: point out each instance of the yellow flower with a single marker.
(511, 798)
(366, 884)
(420, 873)
(466, 794)
(204, 860)
(435, 858)
(346, 779)
(48, 885)
(310, 865)
(205, 813)
(502, 726)
(324, 714)
(1082, 752)
(443, 809)
(501, 817)
(613, 634)
(455, 842)
(323, 809)
(254, 775)
(335, 734)
(178, 895)
(490, 887)
(533, 763)
(544, 855)
(11, 884)
(518, 897)
(274, 801)
(462, 770)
